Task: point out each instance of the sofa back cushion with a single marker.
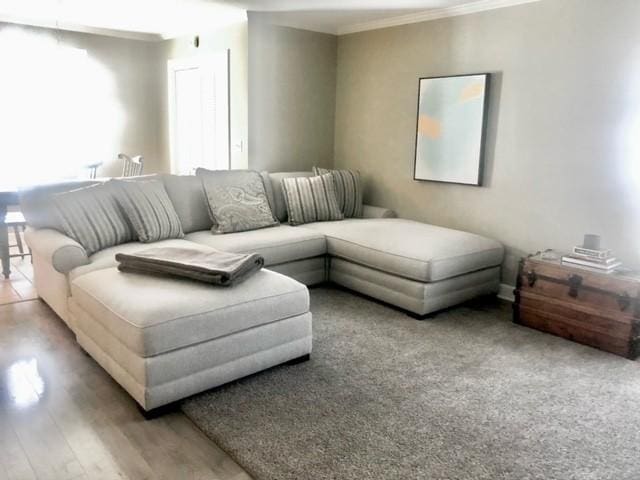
(268, 187)
(38, 209)
(280, 206)
(148, 209)
(237, 200)
(93, 217)
(189, 200)
(185, 192)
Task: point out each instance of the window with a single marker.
(59, 109)
(199, 113)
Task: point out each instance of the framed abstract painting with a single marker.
(450, 130)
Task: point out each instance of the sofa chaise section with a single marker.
(164, 339)
(57, 259)
(415, 266)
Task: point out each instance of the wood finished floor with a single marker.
(62, 417)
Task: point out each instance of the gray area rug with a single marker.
(465, 395)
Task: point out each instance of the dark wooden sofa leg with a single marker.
(424, 316)
(159, 411)
(295, 361)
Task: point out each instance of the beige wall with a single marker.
(563, 153)
(234, 39)
(128, 69)
(292, 78)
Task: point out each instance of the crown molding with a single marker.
(73, 27)
(432, 14)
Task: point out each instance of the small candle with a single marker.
(591, 241)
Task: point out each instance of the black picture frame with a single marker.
(483, 133)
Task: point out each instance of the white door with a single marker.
(199, 113)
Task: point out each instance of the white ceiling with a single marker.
(143, 19)
(155, 19)
(334, 16)
(331, 21)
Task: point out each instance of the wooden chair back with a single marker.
(131, 166)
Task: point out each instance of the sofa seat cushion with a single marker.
(107, 258)
(153, 315)
(277, 245)
(409, 249)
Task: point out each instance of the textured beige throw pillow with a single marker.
(237, 200)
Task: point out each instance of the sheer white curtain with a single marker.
(58, 109)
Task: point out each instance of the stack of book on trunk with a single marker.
(597, 259)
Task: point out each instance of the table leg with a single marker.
(4, 243)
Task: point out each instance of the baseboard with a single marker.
(506, 292)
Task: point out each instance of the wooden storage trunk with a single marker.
(593, 308)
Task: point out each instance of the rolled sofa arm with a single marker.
(62, 252)
(369, 211)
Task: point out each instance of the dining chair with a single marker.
(16, 221)
(132, 166)
(93, 169)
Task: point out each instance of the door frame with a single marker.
(215, 61)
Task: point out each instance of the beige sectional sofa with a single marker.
(164, 339)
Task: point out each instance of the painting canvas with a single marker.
(450, 128)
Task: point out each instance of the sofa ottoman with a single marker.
(416, 266)
(163, 339)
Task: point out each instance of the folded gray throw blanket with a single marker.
(218, 268)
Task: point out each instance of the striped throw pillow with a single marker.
(93, 217)
(149, 209)
(348, 190)
(311, 199)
